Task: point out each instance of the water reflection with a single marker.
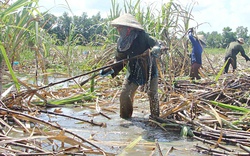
(119, 133)
(52, 78)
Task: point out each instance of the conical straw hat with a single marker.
(241, 40)
(127, 20)
(202, 39)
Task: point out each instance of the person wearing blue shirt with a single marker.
(198, 44)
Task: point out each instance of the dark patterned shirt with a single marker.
(138, 69)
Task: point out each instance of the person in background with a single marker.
(231, 51)
(198, 44)
(134, 41)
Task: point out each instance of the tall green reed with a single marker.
(17, 26)
(167, 22)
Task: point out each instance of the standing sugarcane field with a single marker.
(144, 79)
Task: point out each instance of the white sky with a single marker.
(218, 13)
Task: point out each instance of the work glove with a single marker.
(106, 72)
(191, 30)
(156, 51)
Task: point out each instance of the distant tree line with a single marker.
(93, 29)
(88, 28)
(217, 40)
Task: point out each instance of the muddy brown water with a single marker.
(119, 133)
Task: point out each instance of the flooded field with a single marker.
(119, 133)
(117, 136)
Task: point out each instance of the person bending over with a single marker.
(134, 41)
(231, 52)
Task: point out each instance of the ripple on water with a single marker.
(119, 133)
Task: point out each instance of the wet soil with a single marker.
(119, 133)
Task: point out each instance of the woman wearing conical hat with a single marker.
(133, 41)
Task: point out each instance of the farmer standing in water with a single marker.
(134, 41)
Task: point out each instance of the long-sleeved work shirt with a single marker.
(139, 70)
(196, 55)
(233, 49)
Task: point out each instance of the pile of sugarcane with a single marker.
(214, 111)
(217, 113)
(23, 133)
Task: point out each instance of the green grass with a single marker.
(83, 48)
(214, 50)
(27, 55)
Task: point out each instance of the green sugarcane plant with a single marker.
(186, 18)
(17, 24)
(164, 23)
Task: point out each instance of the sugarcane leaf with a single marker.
(6, 92)
(5, 56)
(218, 118)
(130, 146)
(221, 71)
(231, 107)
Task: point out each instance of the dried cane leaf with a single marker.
(20, 123)
(217, 116)
(170, 150)
(220, 122)
(6, 92)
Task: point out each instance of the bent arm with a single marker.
(243, 54)
(117, 68)
(191, 38)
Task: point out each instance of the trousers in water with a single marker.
(127, 98)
